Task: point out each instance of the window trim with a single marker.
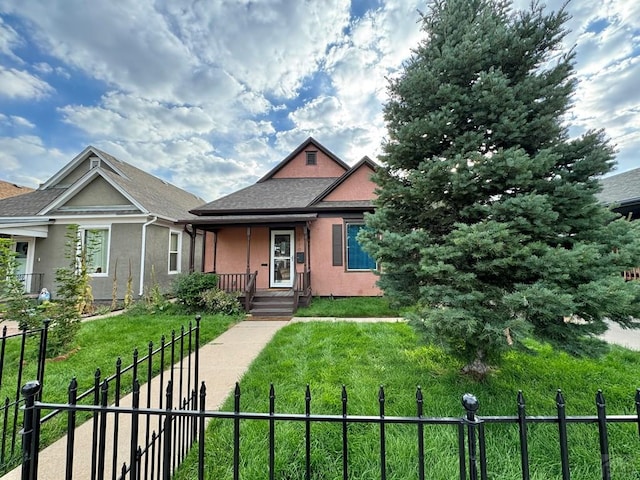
(312, 157)
(82, 231)
(177, 252)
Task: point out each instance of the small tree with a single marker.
(73, 294)
(486, 215)
(14, 305)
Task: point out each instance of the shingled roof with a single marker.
(8, 189)
(150, 194)
(276, 194)
(621, 189)
(273, 195)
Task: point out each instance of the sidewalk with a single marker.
(223, 361)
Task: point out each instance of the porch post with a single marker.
(307, 247)
(192, 248)
(248, 250)
(215, 250)
(305, 230)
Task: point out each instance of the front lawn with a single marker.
(349, 307)
(98, 345)
(363, 356)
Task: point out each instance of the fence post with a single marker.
(604, 438)
(562, 433)
(29, 442)
(71, 427)
(42, 354)
(471, 405)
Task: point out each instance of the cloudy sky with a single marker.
(210, 94)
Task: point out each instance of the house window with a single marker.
(312, 158)
(95, 241)
(357, 258)
(175, 244)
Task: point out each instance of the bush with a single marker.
(188, 288)
(215, 300)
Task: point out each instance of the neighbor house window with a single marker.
(357, 258)
(95, 241)
(175, 244)
(312, 158)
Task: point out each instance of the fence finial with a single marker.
(470, 404)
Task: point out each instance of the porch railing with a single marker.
(633, 274)
(32, 282)
(242, 283)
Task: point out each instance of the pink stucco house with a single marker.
(292, 234)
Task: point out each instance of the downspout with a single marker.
(143, 253)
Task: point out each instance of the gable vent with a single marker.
(94, 162)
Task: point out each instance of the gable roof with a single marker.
(273, 196)
(304, 146)
(8, 189)
(364, 162)
(148, 194)
(621, 189)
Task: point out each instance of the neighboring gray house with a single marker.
(622, 192)
(127, 216)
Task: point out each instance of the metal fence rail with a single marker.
(180, 427)
(17, 352)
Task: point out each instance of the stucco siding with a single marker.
(98, 193)
(327, 279)
(297, 167)
(358, 186)
(232, 252)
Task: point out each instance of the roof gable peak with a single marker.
(307, 145)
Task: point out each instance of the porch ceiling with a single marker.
(210, 222)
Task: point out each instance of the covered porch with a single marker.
(265, 260)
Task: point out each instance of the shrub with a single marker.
(188, 288)
(215, 300)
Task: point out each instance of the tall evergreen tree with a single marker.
(487, 216)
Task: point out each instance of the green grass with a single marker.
(98, 345)
(364, 356)
(349, 307)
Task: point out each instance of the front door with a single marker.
(282, 265)
(22, 264)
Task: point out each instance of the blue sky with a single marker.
(210, 95)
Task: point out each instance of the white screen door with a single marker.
(282, 266)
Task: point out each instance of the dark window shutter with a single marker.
(336, 242)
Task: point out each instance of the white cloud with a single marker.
(27, 161)
(188, 90)
(21, 84)
(9, 39)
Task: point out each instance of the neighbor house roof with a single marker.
(8, 189)
(621, 189)
(147, 193)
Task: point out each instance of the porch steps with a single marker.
(269, 303)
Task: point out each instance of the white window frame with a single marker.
(82, 231)
(177, 253)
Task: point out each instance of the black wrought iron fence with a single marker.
(182, 427)
(174, 361)
(22, 355)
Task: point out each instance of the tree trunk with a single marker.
(478, 369)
